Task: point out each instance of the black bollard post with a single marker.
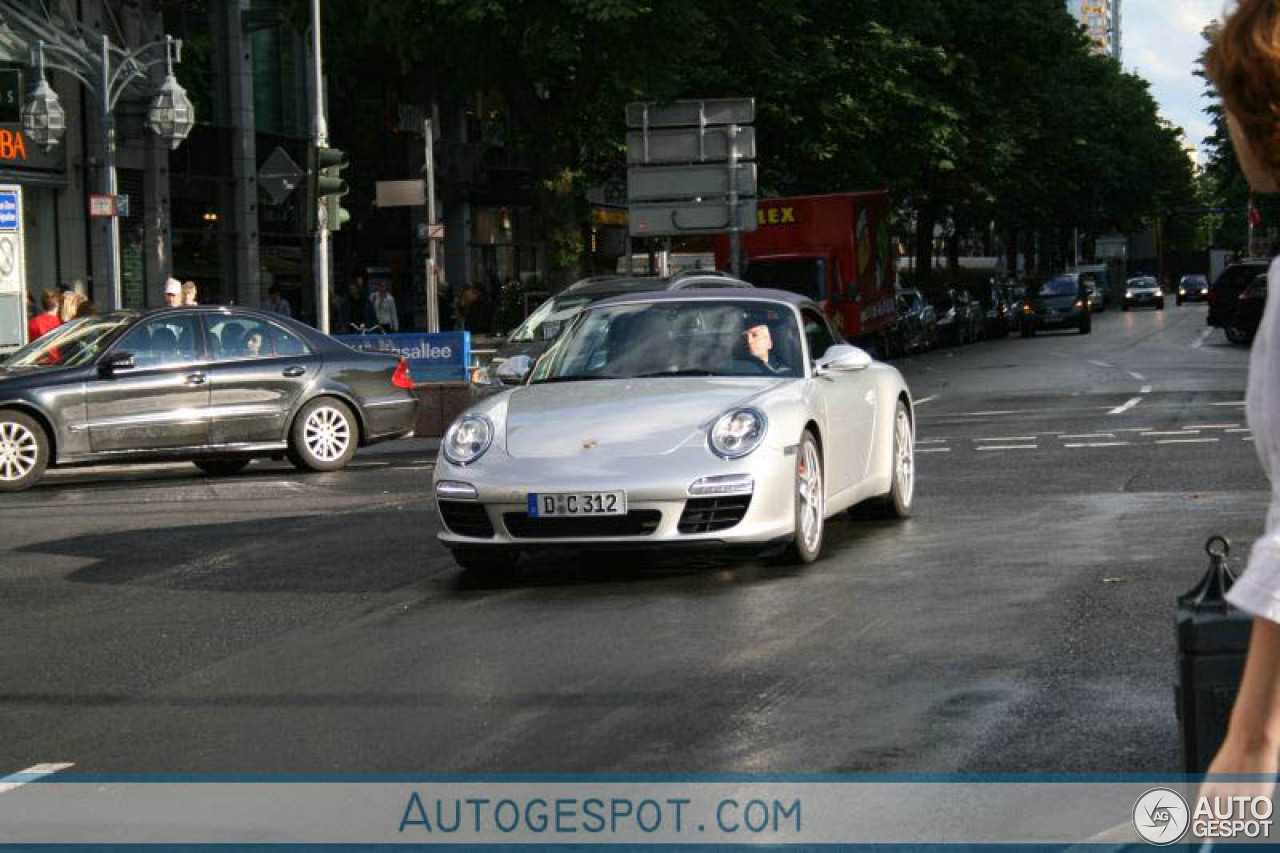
(1213, 638)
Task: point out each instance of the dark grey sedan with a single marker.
(216, 386)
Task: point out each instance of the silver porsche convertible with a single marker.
(679, 419)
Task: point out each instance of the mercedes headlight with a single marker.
(468, 439)
(738, 432)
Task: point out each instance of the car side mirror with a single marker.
(842, 358)
(515, 370)
(117, 361)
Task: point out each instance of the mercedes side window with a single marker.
(163, 342)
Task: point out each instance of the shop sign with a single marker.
(102, 205)
(9, 210)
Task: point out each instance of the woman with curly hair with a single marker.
(1244, 64)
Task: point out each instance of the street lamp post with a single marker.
(171, 115)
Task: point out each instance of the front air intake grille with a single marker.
(708, 515)
(638, 522)
(466, 518)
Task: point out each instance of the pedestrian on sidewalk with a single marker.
(277, 303)
(47, 320)
(384, 308)
(69, 305)
(172, 293)
(189, 292)
(1244, 64)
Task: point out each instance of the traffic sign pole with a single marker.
(735, 238)
(319, 138)
(433, 286)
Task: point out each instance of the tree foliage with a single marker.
(984, 112)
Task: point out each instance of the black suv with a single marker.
(1228, 286)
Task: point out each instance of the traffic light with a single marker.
(327, 188)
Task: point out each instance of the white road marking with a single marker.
(1134, 429)
(1145, 389)
(1227, 427)
(1101, 364)
(1241, 403)
(10, 783)
(1010, 438)
(1100, 444)
(1240, 429)
(1088, 435)
(1120, 410)
(1008, 447)
(1249, 438)
(1204, 336)
(1181, 432)
(931, 441)
(924, 400)
(1137, 376)
(1185, 440)
(933, 450)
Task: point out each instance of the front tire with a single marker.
(24, 451)
(324, 436)
(810, 502)
(1086, 327)
(1236, 333)
(222, 467)
(899, 501)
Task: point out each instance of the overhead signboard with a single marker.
(648, 220)
(681, 182)
(688, 145)
(692, 113)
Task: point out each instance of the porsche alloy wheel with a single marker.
(810, 503)
(903, 491)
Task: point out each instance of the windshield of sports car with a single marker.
(677, 338)
(550, 317)
(78, 342)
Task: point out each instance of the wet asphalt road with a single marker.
(157, 620)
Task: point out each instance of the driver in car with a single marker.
(760, 345)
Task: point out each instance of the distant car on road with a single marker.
(1061, 302)
(959, 320)
(1192, 288)
(1243, 325)
(695, 418)
(1227, 287)
(532, 337)
(1143, 290)
(215, 386)
(993, 303)
(1096, 303)
(917, 327)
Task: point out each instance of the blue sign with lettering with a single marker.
(439, 357)
(9, 211)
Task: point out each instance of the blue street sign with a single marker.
(9, 211)
(440, 357)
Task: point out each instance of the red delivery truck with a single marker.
(833, 248)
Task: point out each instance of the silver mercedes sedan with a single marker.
(687, 418)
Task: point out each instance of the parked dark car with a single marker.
(534, 336)
(1192, 288)
(994, 305)
(1015, 295)
(1058, 303)
(1143, 290)
(959, 321)
(216, 386)
(1226, 289)
(1243, 325)
(917, 326)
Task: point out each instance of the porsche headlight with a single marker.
(738, 432)
(468, 439)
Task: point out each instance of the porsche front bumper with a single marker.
(660, 508)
